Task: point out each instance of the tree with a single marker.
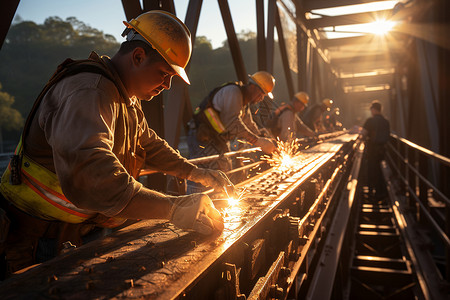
(31, 52)
(11, 118)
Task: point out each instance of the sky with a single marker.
(107, 15)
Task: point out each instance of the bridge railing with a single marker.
(431, 204)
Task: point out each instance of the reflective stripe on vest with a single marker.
(40, 195)
(214, 120)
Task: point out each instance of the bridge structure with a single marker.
(309, 230)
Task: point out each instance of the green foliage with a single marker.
(31, 52)
(11, 118)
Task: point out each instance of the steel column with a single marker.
(132, 8)
(271, 9)
(260, 36)
(8, 9)
(284, 57)
(180, 108)
(233, 42)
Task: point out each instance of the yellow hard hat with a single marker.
(302, 97)
(265, 81)
(327, 102)
(165, 33)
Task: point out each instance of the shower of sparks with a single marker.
(234, 201)
(282, 157)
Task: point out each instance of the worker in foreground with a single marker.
(376, 130)
(313, 117)
(225, 115)
(284, 122)
(85, 142)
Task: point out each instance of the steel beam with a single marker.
(260, 36)
(180, 108)
(350, 19)
(8, 9)
(284, 56)
(428, 65)
(271, 8)
(372, 80)
(233, 42)
(364, 39)
(361, 59)
(319, 4)
(132, 8)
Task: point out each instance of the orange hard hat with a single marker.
(165, 33)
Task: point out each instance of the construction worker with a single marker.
(85, 141)
(286, 123)
(225, 115)
(331, 122)
(376, 131)
(313, 117)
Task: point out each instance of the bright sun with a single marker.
(380, 27)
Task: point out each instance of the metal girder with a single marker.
(327, 43)
(271, 7)
(8, 9)
(233, 41)
(132, 8)
(378, 58)
(284, 56)
(372, 80)
(319, 4)
(260, 36)
(350, 19)
(369, 94)
(363, 67)
(180, 107)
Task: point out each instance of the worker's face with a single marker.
(299, 106)
(257, 94)
(151, 76)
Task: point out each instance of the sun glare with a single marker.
(380, 27)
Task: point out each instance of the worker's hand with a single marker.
(197, 212)
(215, 179)
(267, 146)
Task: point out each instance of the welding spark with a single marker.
(283, 157)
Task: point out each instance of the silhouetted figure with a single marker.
(376, 130)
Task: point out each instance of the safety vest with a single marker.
(206, 114)
(35, 189)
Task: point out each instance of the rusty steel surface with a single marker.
(155, 260)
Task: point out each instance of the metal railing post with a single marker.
(423, 188)
(412, 177)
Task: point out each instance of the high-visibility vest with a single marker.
(206, 114)
(38, 191)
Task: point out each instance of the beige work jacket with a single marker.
(95, 138)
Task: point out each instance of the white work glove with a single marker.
(213, 178)
(267, 146)
(197, 212)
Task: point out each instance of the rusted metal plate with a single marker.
(153, 259)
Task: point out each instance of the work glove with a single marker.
(196, 212)
(215, 179)
(267, 146)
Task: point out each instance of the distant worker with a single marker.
(225, 115)
(85, 142)
(313, 117)
(286, 124)
(331, 121)
(376, 131)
